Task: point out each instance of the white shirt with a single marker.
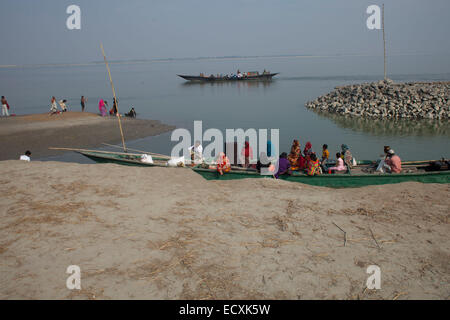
(197, 150)
(25, 158)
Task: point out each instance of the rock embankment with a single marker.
(386, 99)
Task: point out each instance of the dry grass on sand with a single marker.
(156, 233)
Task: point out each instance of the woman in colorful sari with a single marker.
(102, 107)
(347, 155)
(246, 154)
(308, 151)
(314, 166)
(223, 164)
(295, 154)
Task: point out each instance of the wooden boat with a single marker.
(252, 76)
(414, 171)
(337, 180)
(131, 159)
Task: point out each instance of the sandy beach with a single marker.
(166, 233)
(38, 132)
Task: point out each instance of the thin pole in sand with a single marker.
(115, 99)
(384, 41)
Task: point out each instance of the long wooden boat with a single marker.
(130, 159)
(337, 180)
(354, 178)
(252, 77)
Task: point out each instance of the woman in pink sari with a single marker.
(102, 107)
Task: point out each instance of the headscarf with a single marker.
(344, 148)
(307, 149)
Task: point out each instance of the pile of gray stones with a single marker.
(386, 99)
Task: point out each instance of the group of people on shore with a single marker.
(54, 106)
(102, 107)
(297, 160)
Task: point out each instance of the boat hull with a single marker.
(325, 180)
(337, 180)
(131, 160)
(261, 77)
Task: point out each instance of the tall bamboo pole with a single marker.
(384, 42)
(115, 99)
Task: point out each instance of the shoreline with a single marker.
(38, 132)
(170, 234)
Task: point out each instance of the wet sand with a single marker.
(166, 233)
(38, 132)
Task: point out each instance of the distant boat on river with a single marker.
(246, 76)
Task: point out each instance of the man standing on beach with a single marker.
(5, 107)
(83, 103)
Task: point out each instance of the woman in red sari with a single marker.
(246, 154)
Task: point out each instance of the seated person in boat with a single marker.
(314, 166)
(347, 155)
(307, 152)
(340, 166)
(295, 157)
(381, 163)
(393, 163)
(284, 166)
(196, 153)
(246, 155)
(263, 162)
(223, 164)
(325, 154)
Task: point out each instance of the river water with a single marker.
(156, 92)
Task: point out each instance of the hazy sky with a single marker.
(34, 31)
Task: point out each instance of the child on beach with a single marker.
(53, 106)
(62, 104)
